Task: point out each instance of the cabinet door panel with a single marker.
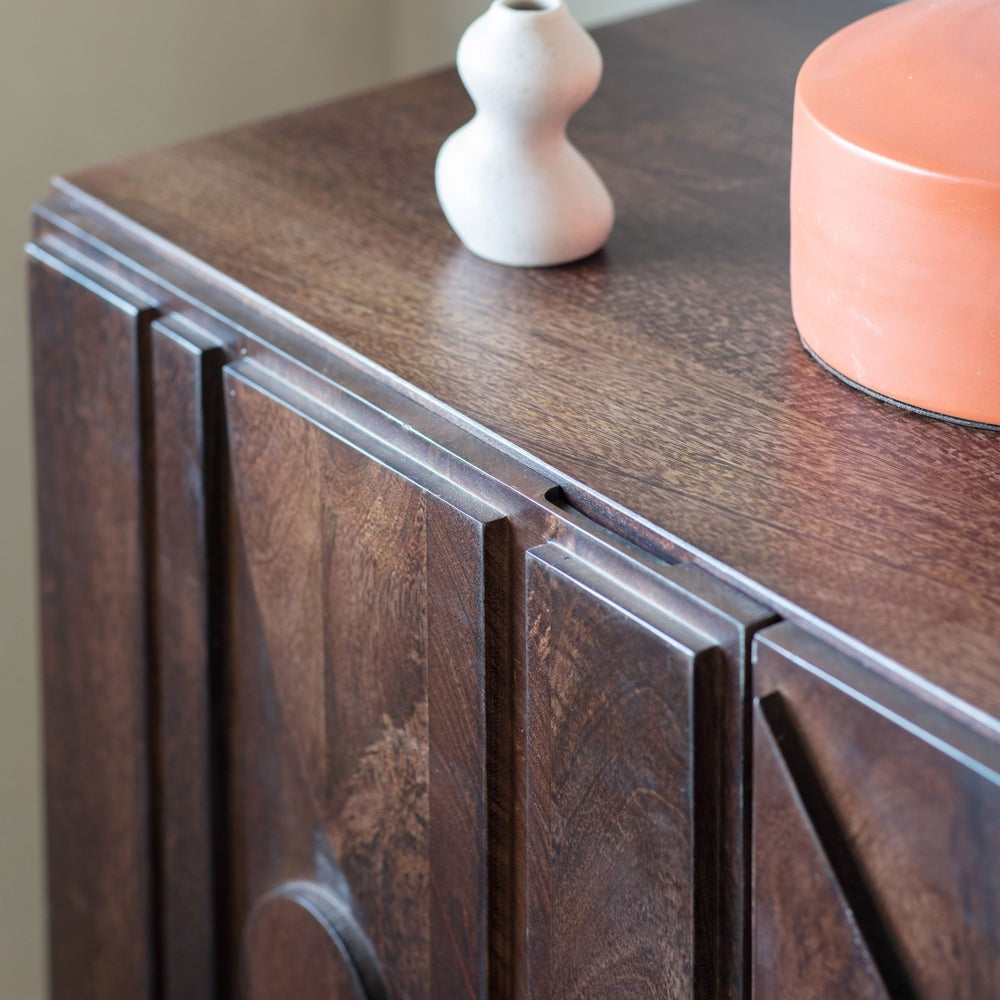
(187, 426)
(791, 856)
(616, 804)
(372, 579)
(885, 861)
(89, 347)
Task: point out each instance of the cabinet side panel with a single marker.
(187, 415)
(610, 801)
(87, 372)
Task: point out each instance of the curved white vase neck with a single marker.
(511, 184)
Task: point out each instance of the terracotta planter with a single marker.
(895, 206)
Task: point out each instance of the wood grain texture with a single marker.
(89, 353)
(730, 618)
(712, 424)
(806, 943)
(370, 586)
(614, 791)
(907, 819)
(187, 433)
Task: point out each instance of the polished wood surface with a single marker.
(665, 373)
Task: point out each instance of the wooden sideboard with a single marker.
(420, 628)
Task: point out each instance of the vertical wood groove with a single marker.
(151, 640)
(711, 952)
(220, 572)
(499, 694)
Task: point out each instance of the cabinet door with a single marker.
(90, 339)
(366, 593)
(876, 835)
(622, 829)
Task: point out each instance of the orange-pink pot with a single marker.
(895, 205)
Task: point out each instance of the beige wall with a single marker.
(86, 82)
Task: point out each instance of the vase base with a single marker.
(540, 261)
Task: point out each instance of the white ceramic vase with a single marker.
(511, 184)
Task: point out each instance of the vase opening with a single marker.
(535, 6)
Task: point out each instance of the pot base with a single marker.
(898, 403)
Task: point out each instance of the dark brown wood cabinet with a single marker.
(420, 628)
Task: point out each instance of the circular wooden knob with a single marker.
(302, 941)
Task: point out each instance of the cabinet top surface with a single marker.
(665, 373)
